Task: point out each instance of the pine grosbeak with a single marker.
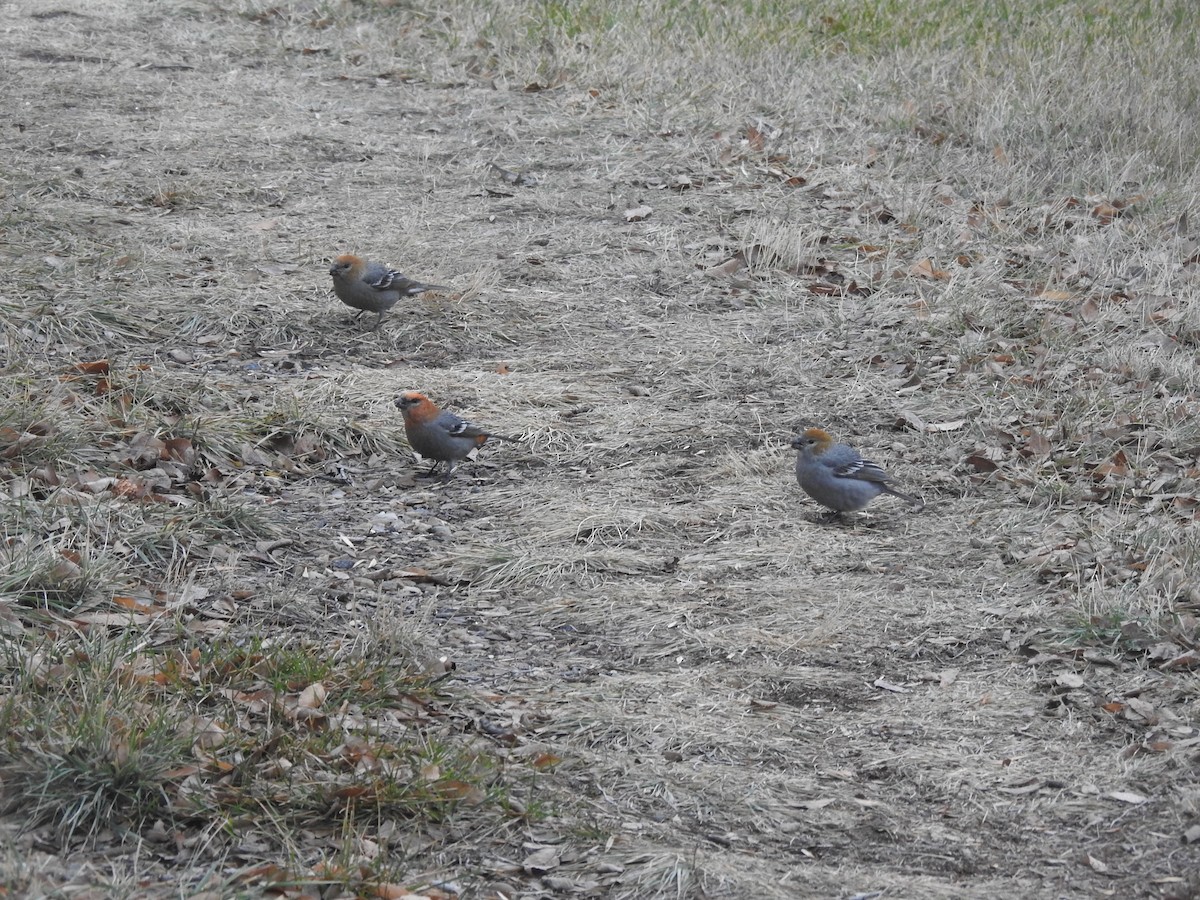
(373, 287)
(836, 476)
(440, 435)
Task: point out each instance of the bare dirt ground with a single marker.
(740, 698)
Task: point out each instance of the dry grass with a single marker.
(967, 250)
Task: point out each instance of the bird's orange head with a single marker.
(416, 407)
(344, 264)
(816, 438)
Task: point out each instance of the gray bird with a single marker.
(441, 435)
(836, 476)
(373, 287)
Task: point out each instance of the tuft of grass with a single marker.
(83, 751)
(70, 550)
(117, 471)
(48, 577)
(105, 735)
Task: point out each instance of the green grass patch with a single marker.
(104, 734)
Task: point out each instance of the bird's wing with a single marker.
(384, 279)
(456, 427)
(846, 462)
(863, 470)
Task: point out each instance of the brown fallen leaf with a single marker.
(420, 576)
(92, 482)
(1128, 797)
(205, 733)
(734, 264)
(134, 605)
(312, 696)
(98, 367)
(1106, 212)
(268, 872)
(386, 890)
(1097, 865)
(1137, 708)
(1055, 295)
(1089, 310)
(1188, 660)
(546, 761)
(924, 268)
(1037, 445)
(461, 790)
(541, 861)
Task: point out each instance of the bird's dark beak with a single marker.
(333, 270)
(795, 442)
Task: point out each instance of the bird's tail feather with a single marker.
(903, 496)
